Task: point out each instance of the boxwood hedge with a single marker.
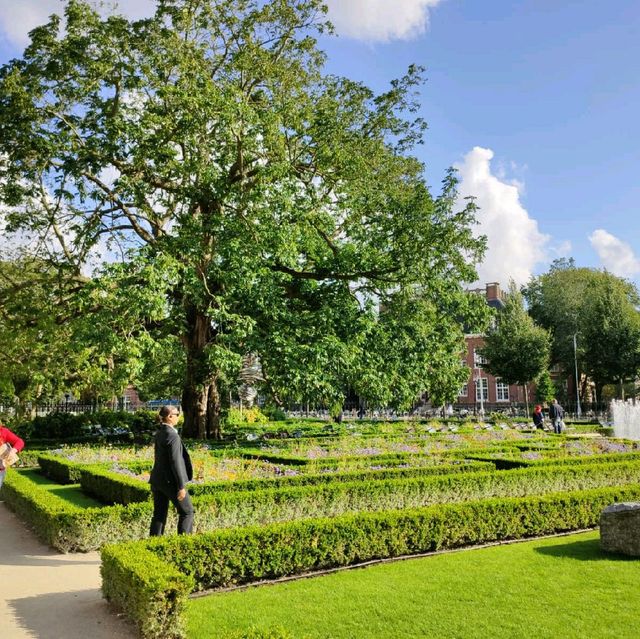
(68, 528)
(150, 579)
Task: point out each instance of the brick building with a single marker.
(483, 391)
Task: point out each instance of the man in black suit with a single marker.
(171, 471)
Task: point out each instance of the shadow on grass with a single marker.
(588, 550)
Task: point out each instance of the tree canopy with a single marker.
(600, 309)
(515, 348)
(226, 196)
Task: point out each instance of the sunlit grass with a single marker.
(69, 492)
(563, 587)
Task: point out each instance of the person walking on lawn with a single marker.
(171, 471)
(10, 445)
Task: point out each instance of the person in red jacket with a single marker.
(7, 437)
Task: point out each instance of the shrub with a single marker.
(135, 575)
(87, 529)
(254, 415)
(117, 488)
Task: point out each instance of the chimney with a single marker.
(493, 292)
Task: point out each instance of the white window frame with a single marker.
(501, 389)
(482, 382)
(464, 391)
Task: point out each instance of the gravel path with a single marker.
(47, 595)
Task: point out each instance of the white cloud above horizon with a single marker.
(368, 20)
(615, 255)
(17, 19)
(380, 20)
(515, 245)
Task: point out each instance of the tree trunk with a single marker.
(200, 396)
(214, 404)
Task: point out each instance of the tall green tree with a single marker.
(600, 310)
(515, 348)
(231, 195)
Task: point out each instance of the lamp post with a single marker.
(480, 391)
(575, 361)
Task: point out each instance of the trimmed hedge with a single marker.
(69, 528)
(61, 470)
(86, 529)
(116, 488)
(506, 463)
(150, 579)
(112, 487)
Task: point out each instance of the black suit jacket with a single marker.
(172, 467)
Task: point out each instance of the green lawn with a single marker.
(563, 587)
(69, 492)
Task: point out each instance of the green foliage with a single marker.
(243, 555)
(116, 488)
(154, 599)
(112, 487)
(257, 205)
(253, 415)
(600, 309)
(69, 528)
(516, 349)
(69, 426)
(545, 388)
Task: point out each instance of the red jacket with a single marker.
(6, 436)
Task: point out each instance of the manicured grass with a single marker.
(563, 587)
(69, 492)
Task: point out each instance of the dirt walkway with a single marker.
(47, 595)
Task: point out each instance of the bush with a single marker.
(135, 575)
(101, 425)
(59, 469)
(237, 417)
(117, 488)
(83, 530)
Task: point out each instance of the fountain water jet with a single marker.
(626, 419)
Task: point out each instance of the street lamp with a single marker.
(575, 361)
(480, 391)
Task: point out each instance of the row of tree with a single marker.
(585, 322)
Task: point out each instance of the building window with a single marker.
(482, 389)
(502, 391)
(464, 391)
(478, 360)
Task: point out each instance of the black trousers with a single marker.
(184, 509)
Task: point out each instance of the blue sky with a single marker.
(537, 103)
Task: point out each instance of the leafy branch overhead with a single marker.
(270, 206)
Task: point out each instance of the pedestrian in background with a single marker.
(171, 471)
(538, 417)
(556, 414)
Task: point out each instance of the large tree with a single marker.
(232, 195)
(515, 348)
(600, 310)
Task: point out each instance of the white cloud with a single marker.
(616, 256)
(369, 20)
(21, 16)
(514, 243)
(380, 20)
